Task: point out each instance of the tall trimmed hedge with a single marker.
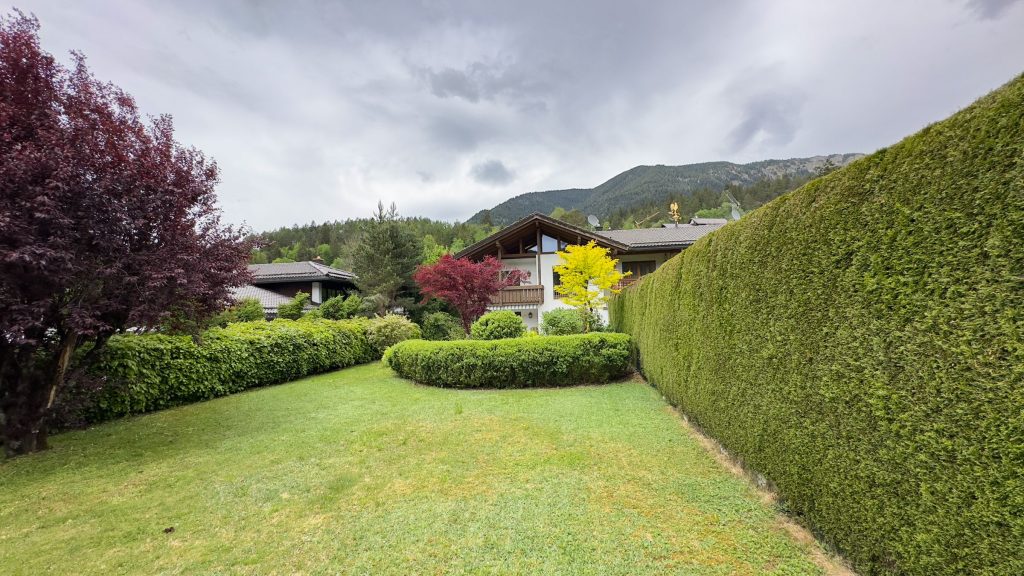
(860, 341)
(513, 362)
(142, 373)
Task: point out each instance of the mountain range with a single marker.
(644, 185)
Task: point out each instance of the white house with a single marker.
(530, 245)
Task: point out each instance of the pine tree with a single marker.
(385, 259)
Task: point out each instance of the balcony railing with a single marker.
(517, 295)
(627, 281)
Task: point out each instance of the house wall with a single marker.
(552, 300)
(658, 257)
(528, 265)
(289, 289)
(318, 291)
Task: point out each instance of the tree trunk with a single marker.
(23, 415)
(31, 392)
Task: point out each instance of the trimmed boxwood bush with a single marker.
(860, 341)
(562, 321)
(386, 331)
(441, 326)
(498, 325)
(142, 373)
(513, 363)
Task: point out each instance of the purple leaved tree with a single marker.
(106, 223)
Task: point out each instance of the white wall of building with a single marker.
(552, 300)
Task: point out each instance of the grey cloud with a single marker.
(341, 102)
(484, 81)
(451, 82)
(774, 116)
(492, 172)
(459, 133)
(990, 9)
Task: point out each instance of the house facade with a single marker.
(531, 243)
(276, 284)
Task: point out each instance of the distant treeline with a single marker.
(335, 242)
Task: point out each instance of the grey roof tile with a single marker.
(673, 236)
(297, 271)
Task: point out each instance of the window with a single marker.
(556, 280)
(639, 268)
(331, 293)
(548, 244)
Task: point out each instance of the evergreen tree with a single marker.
(385, 259)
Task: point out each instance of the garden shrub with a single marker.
(386, 331)
(860, 341)
(246, 310)
(513, 363)
(142, 373)
(295, 309)
(562, 321)
(441, 326)
(498, 325)
(340, 307)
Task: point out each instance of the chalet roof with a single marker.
(269, 300)
(668, 237)
(547, 224)
(297, 272)
(639, 240)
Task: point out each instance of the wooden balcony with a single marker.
(626, 282)
(519, 295)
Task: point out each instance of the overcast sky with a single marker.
(315, 110)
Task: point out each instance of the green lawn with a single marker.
(359, 472)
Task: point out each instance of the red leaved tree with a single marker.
(468, 286)
(106, 223)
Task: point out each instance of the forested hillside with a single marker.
(335, 242)
(659, 185)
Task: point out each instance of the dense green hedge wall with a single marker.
(149, 372)
(513, 362)
(861, 342)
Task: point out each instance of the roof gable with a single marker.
(297, 272)
(532, 224)
(669, 237)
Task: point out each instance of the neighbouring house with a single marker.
(530, 245)
(275, 284)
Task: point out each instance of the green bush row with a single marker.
(860, 341)
(513, 363)
(142, 373)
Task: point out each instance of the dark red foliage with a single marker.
(468, 286)
(106, 223)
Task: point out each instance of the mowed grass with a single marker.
(360, 472)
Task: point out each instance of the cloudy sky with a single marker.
(315, 110)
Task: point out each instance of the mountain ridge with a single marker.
(646, 184)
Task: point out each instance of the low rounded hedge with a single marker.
(142, 373)
(513, 363)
